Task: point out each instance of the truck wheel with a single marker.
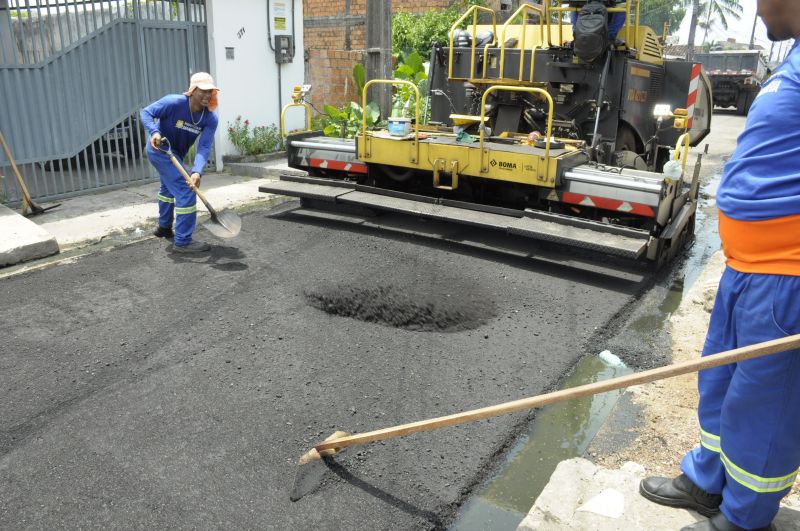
(748, 102)
(742, 104)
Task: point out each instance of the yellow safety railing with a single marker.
(548, 132)
(308, 116)
(474, 10)
(683, 143)
(365, 134)
(628, 26)
(543, 23)
(631, 28)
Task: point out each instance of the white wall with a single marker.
(249, 83)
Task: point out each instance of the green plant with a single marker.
(410, 67)
(412, 32)
(255, 141)
(360, 77)
(346, 121)
(188, 160)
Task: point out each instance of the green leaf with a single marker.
(332, 130)
(333, 112)
(360, 76)
(373, 113)
(414, 61)
(354, 109)
(404, 71)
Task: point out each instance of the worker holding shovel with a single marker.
(749, 412)
(181, 118)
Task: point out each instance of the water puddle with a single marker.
(563, 431)
(560, 431)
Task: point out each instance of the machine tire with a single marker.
(626, 139)
(626, 149)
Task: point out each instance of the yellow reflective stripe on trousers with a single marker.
(165, 199)
(757, 483)
(186, 210)
(709, 441)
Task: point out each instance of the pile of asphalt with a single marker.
(397, 307)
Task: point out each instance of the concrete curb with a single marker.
(261, 170)
(23, 240)
(88, 219)
(583, 496)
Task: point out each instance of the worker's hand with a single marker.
(155, 140)
(196, 179)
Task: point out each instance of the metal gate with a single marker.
(74, 75)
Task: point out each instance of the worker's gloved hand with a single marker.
(155, 140)
(196, 179)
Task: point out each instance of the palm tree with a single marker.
(720, 10)
(717, 8)
(655, 13)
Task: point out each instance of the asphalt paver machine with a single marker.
(542, 126)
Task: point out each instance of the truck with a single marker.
(736, 76)
(534, 131)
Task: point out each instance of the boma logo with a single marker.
(507, 165)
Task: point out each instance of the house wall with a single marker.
(335, 39)
(249, 83)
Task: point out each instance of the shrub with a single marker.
(346, 121)
(255, 141)
(410, 67)
(412, 32)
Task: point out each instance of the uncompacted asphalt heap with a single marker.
(143, 389)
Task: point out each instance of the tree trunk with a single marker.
(708, 22)
(692, 29)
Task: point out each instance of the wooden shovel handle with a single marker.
(188, 179)
(25, 195)
(707, 362)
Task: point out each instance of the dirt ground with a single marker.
(669, 405)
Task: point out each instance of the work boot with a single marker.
(193, 247)
(163, 232)
(680, 492)
(721, 523)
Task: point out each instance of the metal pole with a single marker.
(379, 48)
(8, 45)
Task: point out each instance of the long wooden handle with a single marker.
(25, 195)
(707, 362)
(177, 164)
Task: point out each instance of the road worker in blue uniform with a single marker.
(616, 21)
(750, 412)
(182, 119)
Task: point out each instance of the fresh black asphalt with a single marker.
(145, 390)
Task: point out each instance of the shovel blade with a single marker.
(226, 224)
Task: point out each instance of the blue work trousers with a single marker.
(175, 198)
(749, 412)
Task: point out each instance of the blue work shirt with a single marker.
(762, 178)
(172, 117)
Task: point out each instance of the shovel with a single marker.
(29, 207)
(223, 223)
(311, 467)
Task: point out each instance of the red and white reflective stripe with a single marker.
(694, 83)
(338, 165)
(605, 203)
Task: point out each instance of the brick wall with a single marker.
(335, 38)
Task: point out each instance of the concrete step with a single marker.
(22, 239)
